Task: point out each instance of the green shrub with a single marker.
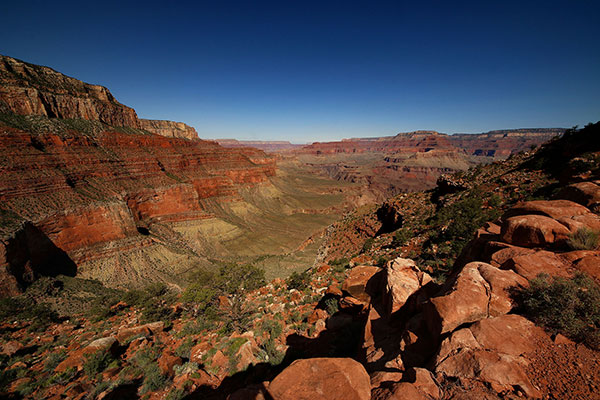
(401, 237)
(184, 349)
(97, 362)
(54, 359)
(367, 245)
(64, 377)
(229, 280)
(567, 306)
(298, 281)
(331, 305)
(153, 379)
(270, 354)
(583, 239)
(271, 327)
(25, 309)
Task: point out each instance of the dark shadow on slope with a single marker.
(31, 254)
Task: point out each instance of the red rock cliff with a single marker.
(70, 196)
(29, 89)
(169, 128)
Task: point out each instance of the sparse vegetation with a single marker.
(298, 281)
(568, 306)
(97, 362)
(583, 239)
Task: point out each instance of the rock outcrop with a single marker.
(169, 128)
(29, 89)
(322, 378)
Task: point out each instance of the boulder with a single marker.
(402, 280)
(358, 283)
(76, 358)
(167, 361)
(530, 265)
(550, 208)
(585, 193)
(491, 351)
(501, 283)
(142, 330)
(533, 231)
(322, 378)
(466, 301)
(590, 265)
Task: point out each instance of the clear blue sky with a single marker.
(306, 71)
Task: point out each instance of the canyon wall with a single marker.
(88, 189)
(28, 89)
(169, 128)
(498, 144)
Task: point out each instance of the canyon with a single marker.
(140, 261)
(128, 200)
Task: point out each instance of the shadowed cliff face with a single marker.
(30, 254)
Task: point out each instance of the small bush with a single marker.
(567, 306)
(367, 245)
(184, 349)
(298, 281)
(401, 237)
(331, 305)
(583, 239)
(54, 359)
(97, 362)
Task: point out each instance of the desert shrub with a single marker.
(367, 245)
(154, 301)
(401, 237)
(184, 349)
(176, 394)
(236, 317)
(568, 306)
(298, 281)
(583, 239)
(54, 359)
(229, 280)
(331, 305)
(145, 360)
(272, 328)
(153, 379)
(97, 362)
(452, 227)
(64, 377)
(269, 353)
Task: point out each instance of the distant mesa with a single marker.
(264, 145)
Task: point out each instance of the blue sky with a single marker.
(312, 71)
